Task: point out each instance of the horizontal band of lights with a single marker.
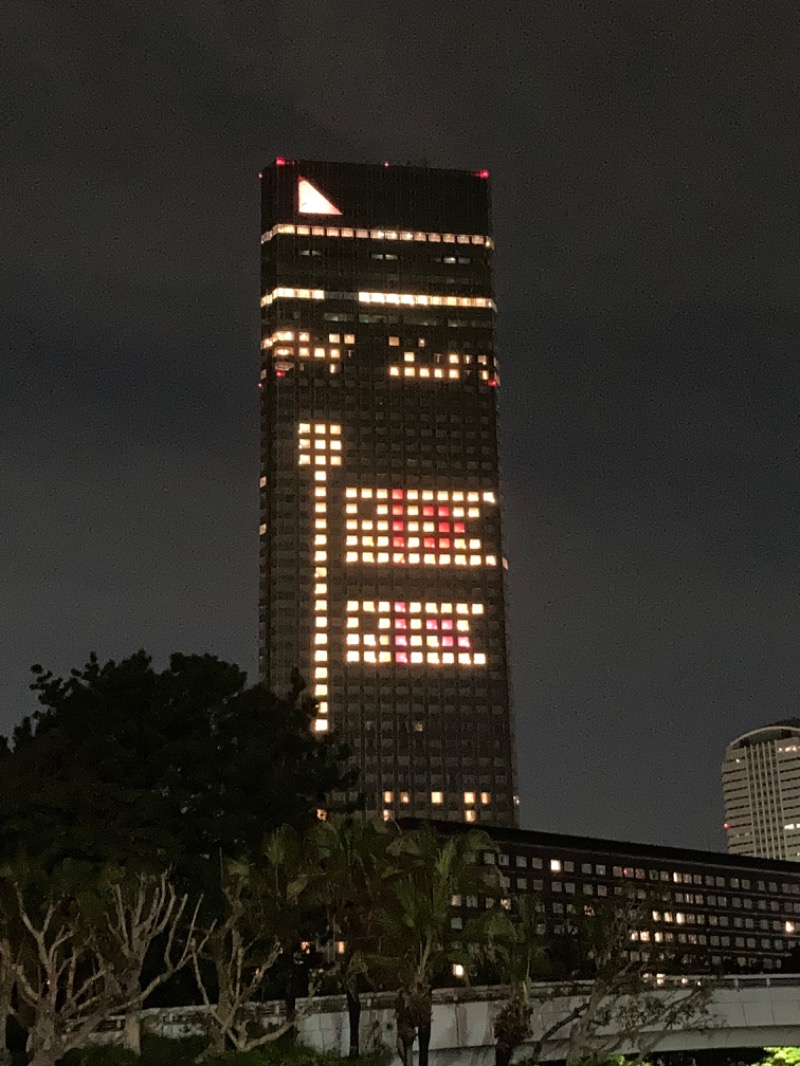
(304, 352)
(288, 336)
(411, 633)
(323, 441)
(409, 528)
(284, 293)
(411, 368)
(376, 235)
(403, 797)
(394, 299)
(421, 299)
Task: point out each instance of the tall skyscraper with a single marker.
(761, 790)
(382, 569)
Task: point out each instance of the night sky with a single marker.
(644, 161)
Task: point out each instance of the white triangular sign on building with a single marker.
(310, 201)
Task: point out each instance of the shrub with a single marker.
(105, 1055)
(283, 1054)
(161, 1051)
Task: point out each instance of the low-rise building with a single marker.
(711, 911)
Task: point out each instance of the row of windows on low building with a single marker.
(558, 865)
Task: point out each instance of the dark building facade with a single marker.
(703, 910)
(382, 568)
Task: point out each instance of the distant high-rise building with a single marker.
(761, 790)
(382, 568)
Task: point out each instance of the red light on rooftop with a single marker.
(280, 161)
(280, 373)
(261, 173)
(386, 162)
(483, 173)
(492, 382)
(725, 825)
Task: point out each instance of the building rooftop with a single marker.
(599, 845)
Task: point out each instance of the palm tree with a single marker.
(516, 948)
(417, 943)
(350, 859)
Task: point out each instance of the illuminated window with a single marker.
(469, 798)
(437, 798)
(555, 866)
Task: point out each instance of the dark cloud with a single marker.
(644, 163)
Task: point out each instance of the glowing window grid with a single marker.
(376, 234)
(412, 633)
(414, 527)
(319, 444)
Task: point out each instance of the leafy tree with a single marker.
(417, 944)
(781, 1056)
(124, 763)
(621, 1005)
